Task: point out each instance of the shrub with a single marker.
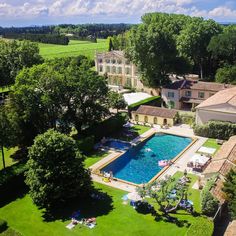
(154, 101)
(86, 144)
(106, 127)
(216, 129)
(3, 225)
(201, 227)
(209, 203)
(187, 118)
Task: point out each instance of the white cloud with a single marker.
(107, 8)
(222, 12)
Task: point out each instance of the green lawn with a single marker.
(136, 131)
(211, 143)
(75, 48)
(7, 153)
(113, 218)
(94, 157)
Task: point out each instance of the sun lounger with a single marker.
(91, 225)
(70, 226)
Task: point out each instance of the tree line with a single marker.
(41, 38)
(79, 30)
(164, 44)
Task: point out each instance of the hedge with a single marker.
(154, 101)
(106, 127)
(201, 227)
(216, 130)
(3, 225)
(209, 203)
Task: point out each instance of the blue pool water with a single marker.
(140, 164)
(117, 144)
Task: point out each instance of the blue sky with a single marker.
(40, 12)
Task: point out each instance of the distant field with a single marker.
(75, 48)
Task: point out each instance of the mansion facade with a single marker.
(119, 70)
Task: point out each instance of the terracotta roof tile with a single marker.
(217, 190)
(198, 85)
(227, 96)
(155, 111)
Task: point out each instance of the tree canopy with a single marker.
(59, 94)
(56, 171)
(230, 191)
(14, 56)
(226, 74)
(169, 43)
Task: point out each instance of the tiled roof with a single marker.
(217, 190)
(155, 111)
(198, 85)
(111, 53)
(224, 160)
(227, 96)
(226, 149)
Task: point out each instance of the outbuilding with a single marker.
(154, 115)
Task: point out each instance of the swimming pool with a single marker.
(116, 144)
(140, 163)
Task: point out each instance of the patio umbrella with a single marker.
(134, 196)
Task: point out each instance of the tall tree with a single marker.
(58, 95)
(226, 75)
(7, 131)
(194, 39)
(152, 47)
(14, 56)
(223, 46)
(56, 171)
(230, 191)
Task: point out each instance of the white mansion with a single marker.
(120, 71)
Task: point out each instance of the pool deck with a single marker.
(179, 165)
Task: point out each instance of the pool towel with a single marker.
(70, 226)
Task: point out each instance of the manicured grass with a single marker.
(94, 157)
(8, 160)
(113, 218)
(75, 48)
(140, 129)
(211, 143)
(136, 130)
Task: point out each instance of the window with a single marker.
(108, 69)
(128, 82)
(113, 69)
(201, 94)
(113, 61)
(188, 93)
(155, 120)
(136, 117)
(100, 68)
(119, 61)
(171, 94)
(146, 119)
(127, 71)
(119, 70)
(100, 60)
(108, 60)
(127, 62)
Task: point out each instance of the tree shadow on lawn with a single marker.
(172, 220)
(11, 194)
(98, 205)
